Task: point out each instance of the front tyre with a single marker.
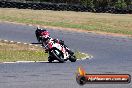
(58, 55)
(72, 58)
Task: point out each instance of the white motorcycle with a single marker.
(58, 51)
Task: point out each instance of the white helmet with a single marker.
(38, 27)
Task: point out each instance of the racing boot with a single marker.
(70, 52)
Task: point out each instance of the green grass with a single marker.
(10, 52)
(102, 22)
(80, 55)
(58, 24)
(22, 55)
(19, 52)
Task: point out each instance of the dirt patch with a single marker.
(101, 23)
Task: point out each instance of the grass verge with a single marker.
(102, 22)
(11, 52)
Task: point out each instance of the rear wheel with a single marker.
(50, 59)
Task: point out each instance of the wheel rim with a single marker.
(60, 57)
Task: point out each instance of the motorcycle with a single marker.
(58, 51)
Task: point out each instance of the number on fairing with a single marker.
(57, 52)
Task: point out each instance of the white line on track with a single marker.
(25, 43)
(11, 41)
(6, 40)
(87, 57)
(18, 42)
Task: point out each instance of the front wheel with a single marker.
(58, 55)
(72, 58)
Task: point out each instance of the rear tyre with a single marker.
(50, 59)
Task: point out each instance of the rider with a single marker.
(39, 33)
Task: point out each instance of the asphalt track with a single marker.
(111, 55)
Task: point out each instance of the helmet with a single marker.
(38, 28)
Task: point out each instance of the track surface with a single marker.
(111, 55)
